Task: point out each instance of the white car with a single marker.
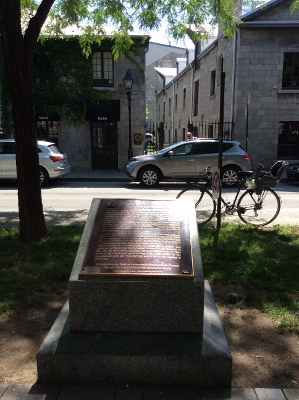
(53, 164)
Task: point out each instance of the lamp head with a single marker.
(128, 81)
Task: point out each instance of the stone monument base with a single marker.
(141, 358)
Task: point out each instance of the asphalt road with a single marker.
(68, 202)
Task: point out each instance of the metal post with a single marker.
(130, 150)
(221, 119)
(128, 83)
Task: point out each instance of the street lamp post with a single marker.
(128, 83)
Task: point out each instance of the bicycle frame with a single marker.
(257, 205)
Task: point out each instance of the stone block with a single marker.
(137, 303)
(148, 358)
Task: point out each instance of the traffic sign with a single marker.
(216, 184)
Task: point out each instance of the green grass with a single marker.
(263, 262)
(28, 270)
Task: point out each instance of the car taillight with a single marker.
(56, 158)
(245, 156)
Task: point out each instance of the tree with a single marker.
(21, 24)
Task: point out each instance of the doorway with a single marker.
(104, 145)
(288, 140)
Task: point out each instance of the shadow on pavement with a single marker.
(11, 219)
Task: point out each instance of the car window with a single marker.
(8, 148)
(54, 149)
(1, 147)
(227, 146)
(185, 149)
(207, 147)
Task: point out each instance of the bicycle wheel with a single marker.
(259, 210)
(203, 201)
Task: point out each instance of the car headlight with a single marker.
(132, 161)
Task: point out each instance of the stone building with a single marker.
(100, 138)
(260, 64)
(158, 56)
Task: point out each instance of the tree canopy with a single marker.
(24, 22)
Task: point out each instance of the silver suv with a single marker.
(188, 160)
(53, 164)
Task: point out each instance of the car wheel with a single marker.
(43, 176)
(149, 177)
(230, 176)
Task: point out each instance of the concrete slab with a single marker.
(2, 389)
(269, 394)
(291, 394)
(31, 392)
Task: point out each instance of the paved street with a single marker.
(68, 201)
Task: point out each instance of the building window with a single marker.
(212, 87)
(184, 98)
(47, 130)
(290, 74)
(176, 101)
(196, 98)
(169, 105)
(102, 64)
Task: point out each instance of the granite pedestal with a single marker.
(138, 328)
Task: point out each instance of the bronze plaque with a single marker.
(139, 237)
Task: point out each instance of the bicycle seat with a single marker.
(271, 178)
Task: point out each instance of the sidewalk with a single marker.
(97, 175)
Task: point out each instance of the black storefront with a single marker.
(103, 117)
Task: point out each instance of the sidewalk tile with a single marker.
(232, 394)
(2, 389)
(291, 394)
(86, 392)
(31, 392)
(269, 394)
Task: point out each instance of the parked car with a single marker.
(53, 163)
(188, 160)
(293, 171)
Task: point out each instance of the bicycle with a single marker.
(259, 205)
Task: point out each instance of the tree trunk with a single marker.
(17, 62)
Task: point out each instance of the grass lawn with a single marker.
(264, 262)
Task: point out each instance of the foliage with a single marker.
(295, 5)
(66, 96)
